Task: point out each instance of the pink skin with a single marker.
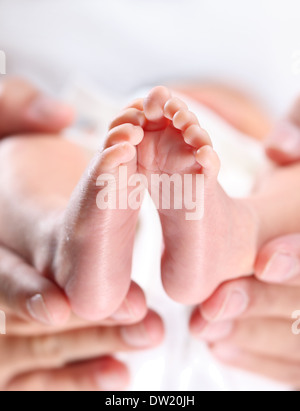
(89, 251)
(181, 146)
(247, 322)
(95, 268)
(278, 261)
(174, 142)
(283, 144)
(71, 241)
(36, 357)
(225, 242)
(103, 374)
(37, 310)
(188, 251)
(23, 109)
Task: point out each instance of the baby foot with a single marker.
(94, 256)
(201, 253)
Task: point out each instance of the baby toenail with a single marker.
(234, 305)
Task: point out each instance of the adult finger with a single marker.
(27, 354)
(283, 145)
(25, 109)
(104, 374)
(283, 371)
(249, 298)
(27, 294)
(263, 336)
(133, 310)
(279, 261)
(94, 259)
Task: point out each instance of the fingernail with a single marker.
(136, 336)
(146, 334)
(281, 267)
(124, 313)
(285, 137)
(234, 305)
(215, 331)
(46, 109)
(38, 310)
(109, 381)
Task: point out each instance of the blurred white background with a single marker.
(120, 45)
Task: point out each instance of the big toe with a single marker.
(155, 102)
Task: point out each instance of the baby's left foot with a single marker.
(200, 251)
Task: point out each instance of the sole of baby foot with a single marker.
(216, 244)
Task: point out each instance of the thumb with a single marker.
(27, 294)
(283, 145)
(24, 109)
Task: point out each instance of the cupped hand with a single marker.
(253, 323)
(253, 326)
(23, 109)
(75, 356)
(44, 351)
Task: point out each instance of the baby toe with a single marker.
(116, 155)
(155, 102)
(209, 161)
(137, 104)
(196, 136)
(184, 119)
(125, 133)
(129, 116)
(172, 106)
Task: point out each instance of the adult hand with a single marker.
(23, 108)
(38, 354)
(72, 357)
(251, 323)
(42, 348)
